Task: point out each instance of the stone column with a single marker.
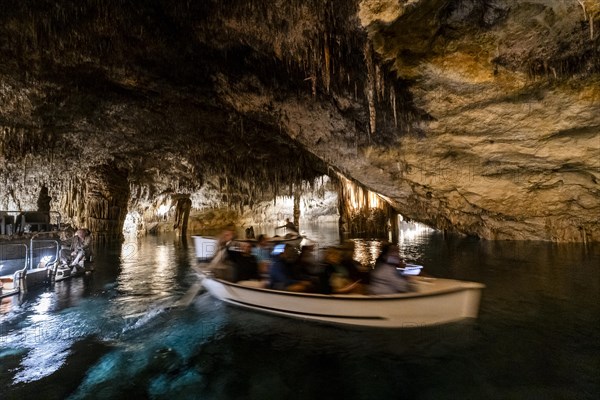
(182, 213)
(297, 197)
(98, 201)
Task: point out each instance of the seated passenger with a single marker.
(354, 268)
(262, 252)
(385, 279)
(245, 266)
(281, 272)
(75, 251)
(325, 271)
(335, 277)
(220, 264)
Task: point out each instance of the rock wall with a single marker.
(480, 117)
(503, 141)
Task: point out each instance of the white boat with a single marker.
(35, 265)
(205, 247)
(410, 269)
(435, 301)
(293, 240)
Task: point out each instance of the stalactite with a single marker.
(362, 212)
(327, 57)
(379, 83)
(370, 86)
(393, 105)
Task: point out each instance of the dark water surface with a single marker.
(113, 335)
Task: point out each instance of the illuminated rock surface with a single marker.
(476, 117)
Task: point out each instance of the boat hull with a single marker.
(437, 301)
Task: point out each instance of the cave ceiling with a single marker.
(474, 116)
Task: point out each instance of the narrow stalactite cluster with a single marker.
(363, 212)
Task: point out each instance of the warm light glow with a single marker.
(162, 210)
(43, 261)
(358, 198)
(131, 223)
(366, 252)
(411, 230)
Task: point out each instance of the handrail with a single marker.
(26, 253)
(40, 240)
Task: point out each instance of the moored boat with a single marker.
(435, 301)
(293, 240)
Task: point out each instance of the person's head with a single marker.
(385, 246)
(392, 256)
(228, 234)
(246, 247)
(261, 240)
(80, 233)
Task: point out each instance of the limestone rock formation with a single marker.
(480, 117)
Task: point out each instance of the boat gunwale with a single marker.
(357, 297)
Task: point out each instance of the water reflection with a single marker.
(113, 334)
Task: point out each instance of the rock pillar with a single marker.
(98, 201)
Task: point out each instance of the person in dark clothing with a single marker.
(281, 273)
(355, 271)
(289, 227)
(385, 278)
(245, 266)
(327, 269)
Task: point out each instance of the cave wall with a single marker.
(501, 137)
(470, 116)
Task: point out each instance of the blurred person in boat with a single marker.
(220, 264)
(281, 272)
(245, 266)
(335, 277)
(262, 252)
(385, 279)
(289, 227)
(226, 237)
(354, 268)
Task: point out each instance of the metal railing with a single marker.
(43, 253)
(9, 253)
